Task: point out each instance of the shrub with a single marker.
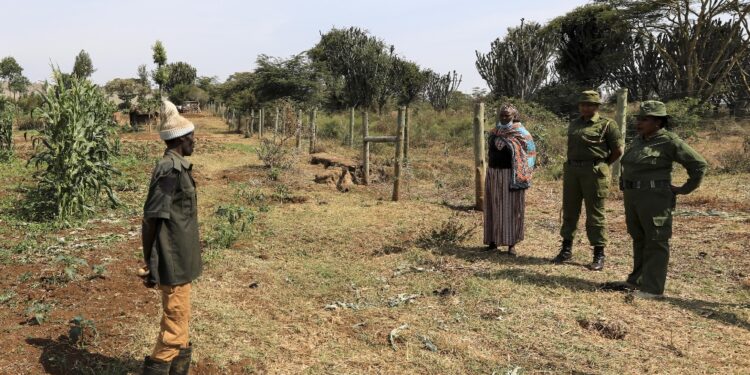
(7, 114)
(331, 130)
(450, 232)
(82, 332)
(686, 115)
(734, 161)
(232, 220)
(273, 154)
(74, 149)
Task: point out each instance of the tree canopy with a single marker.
(83, 67)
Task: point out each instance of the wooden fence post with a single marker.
(399, 153)
(276, 122)
(351, 127)
(621, 119)
(299, 129)
(313, 130)
(365, 149)
(261, 122)
(406, 134)
(479, 165)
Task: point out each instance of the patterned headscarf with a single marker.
(510, 108)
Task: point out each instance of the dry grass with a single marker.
(357, 251)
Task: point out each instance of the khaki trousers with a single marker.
(173, 335)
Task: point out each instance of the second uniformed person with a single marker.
(594, 142)
(649, 196)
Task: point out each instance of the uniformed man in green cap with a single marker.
(171, 247)
(649, 196)
(594, 142)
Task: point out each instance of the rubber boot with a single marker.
(566, 252)
(597, 264)
(154, 367)
(181, 363)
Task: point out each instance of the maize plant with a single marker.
(74, 149)
(7, 113)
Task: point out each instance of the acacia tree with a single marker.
(83, 67)
(701, 42)
(440, 88)
(126, 89)
(518, 65)
(294, 78)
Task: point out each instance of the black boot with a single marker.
(566, 252)
(181, 363)
(598, 263)
(154, 367)
(491, 247)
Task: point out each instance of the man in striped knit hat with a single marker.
(171, 247)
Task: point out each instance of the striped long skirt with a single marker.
(503, 209)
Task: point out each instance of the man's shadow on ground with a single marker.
(61, 357)
(706, 309)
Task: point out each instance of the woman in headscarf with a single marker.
(511, 157)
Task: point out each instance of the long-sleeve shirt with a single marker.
(652, 159)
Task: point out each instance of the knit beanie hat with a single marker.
(173, 125)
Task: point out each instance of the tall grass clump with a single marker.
(74, 150)
(7, 114)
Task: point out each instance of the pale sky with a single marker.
(222, 37)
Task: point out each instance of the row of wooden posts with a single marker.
(259, 116)
(480, 165)
(401, 139)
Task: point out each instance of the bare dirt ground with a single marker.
(340, 283)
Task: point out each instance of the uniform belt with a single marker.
(646, 184)
(583, 163)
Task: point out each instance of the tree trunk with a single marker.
(365, 150)
(479, 163)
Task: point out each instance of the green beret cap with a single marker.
(590, 96)
(653, 108)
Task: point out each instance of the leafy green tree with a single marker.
(182, 93)
(361, 60)
(126, 89)
(238, 91)
(18, 85)
(518, 65)
(180, 73)
(409, 81)
(161, 73)
(83, 66)
(143, 75)
(591, 39)
(9, 69)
